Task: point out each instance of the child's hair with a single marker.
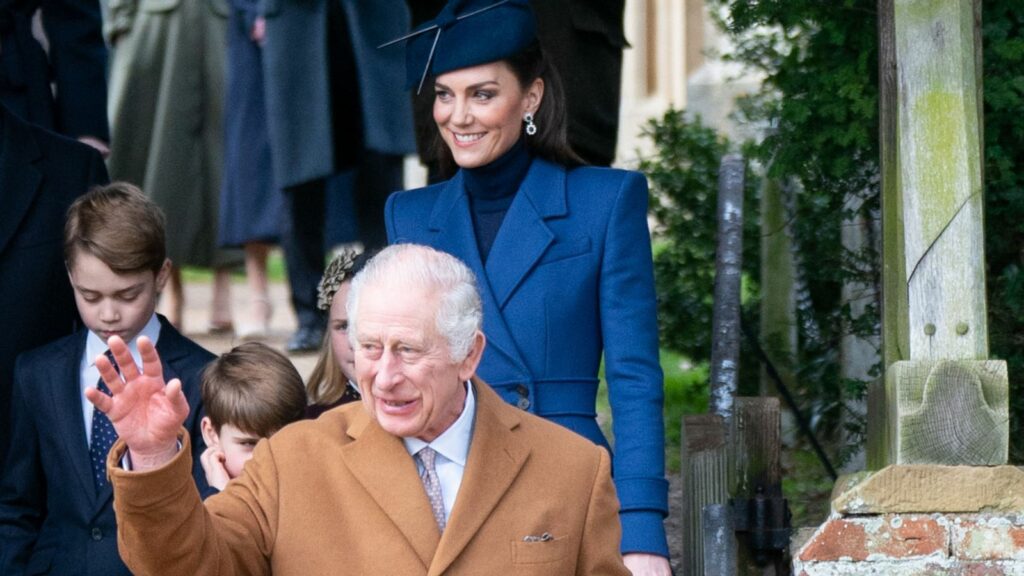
(253, 388)
(118, 224)
(327, 383)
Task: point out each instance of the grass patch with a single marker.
(275, 271)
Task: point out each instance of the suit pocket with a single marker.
(159, 5)
(525, 553)
(565, 249)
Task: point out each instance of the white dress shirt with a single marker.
(452, 448)
(89, 374)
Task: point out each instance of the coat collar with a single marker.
(495, 459)
(19, 178)
(521, 242)
(380, 462)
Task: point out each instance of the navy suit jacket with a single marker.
(41, 174)
(569, 278)
(52, 519)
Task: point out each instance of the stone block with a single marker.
(928, 488)
(949, 412)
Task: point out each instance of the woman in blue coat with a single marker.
(561, 251)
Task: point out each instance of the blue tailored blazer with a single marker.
(52, 519)
(569, 277)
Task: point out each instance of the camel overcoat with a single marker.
(339, 495)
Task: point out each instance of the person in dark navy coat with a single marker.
(41, 174)
(562, 251)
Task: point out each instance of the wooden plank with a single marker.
(778, 287)
(705, 470)
(939, 175)
(758, 471)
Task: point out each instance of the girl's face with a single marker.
(479, 111)
(337, 324)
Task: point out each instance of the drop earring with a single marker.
(531, 128)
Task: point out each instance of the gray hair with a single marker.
(459, 312)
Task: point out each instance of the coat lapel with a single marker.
(380, 462)
(453, 227)
(524, 235)
(493, 464)
(68, 417)
(19, 179)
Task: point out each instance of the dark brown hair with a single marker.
(118, 224)
(551, 142)
(253, 388)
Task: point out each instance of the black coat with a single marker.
(41, 173)
(75, 66)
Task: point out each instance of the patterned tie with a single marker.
(431, 484)
(103, 436)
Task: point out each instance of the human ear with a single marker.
(210, 436)
(468, 366)
(534, 95)
(163, 274)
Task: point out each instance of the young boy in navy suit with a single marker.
(56, 514)
(249, 394)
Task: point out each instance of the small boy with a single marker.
(56, 513)
(249, 393)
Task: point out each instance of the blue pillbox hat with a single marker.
(467, 33)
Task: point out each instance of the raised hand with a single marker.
(145, 412)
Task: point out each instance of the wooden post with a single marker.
(725, 320)
(705, 470)
(757, 490)
(934, 259)
(940, 176)
(778, 289)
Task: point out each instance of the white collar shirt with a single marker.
(452, 448)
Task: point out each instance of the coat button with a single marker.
(523, 403)
(97, 534)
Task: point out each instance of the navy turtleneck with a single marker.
(491, 189)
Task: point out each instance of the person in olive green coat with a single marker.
(166, 106)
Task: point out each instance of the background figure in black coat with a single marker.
(584, 39)
(41, 174)
(74, 63)
(335, 104)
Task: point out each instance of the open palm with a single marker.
(146, 413)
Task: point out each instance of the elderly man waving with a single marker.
(433, 474)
